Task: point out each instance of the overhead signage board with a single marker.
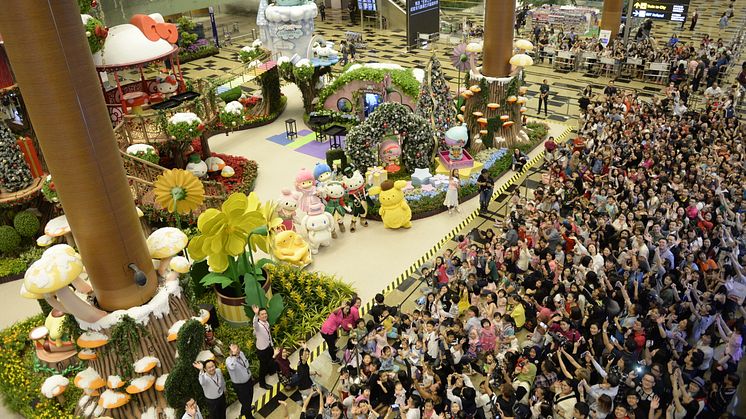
(367, 5)
(423, 17)
(672, 10)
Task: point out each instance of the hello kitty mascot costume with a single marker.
(305, 183)
(287, 204)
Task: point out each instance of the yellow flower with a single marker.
(224, 231)
(179, 190)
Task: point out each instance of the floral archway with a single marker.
(418, 137)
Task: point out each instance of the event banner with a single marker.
(673, 10)
(423, 17)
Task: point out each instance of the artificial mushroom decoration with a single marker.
(92, 340)
(114, 382)
(178, 265)
(524, 44)
(477, 114)
(90, 381)
(475, 88)
(87, 355)
(204, 316)
(38, 335)
(173, 331)
(111, 399)
(521, 60)
(511, 99)
(54, 386)
(59, 226)
(160, 383)
(51, 276)
(493, 106)
(164, 244)
(45, 241)
(145, 364)
(140, 384)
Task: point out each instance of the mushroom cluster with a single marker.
(50, 277)
(164, 244)
(54, 386)
(90, 341)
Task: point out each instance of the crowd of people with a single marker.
(615, 291)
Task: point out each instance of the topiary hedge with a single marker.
(9, 239)
(182, 383)
(27, 224)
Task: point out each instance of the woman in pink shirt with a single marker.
(351, 319)
(334, 322)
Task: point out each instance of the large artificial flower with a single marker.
(179, 190)
(225, 232)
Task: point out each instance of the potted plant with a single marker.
(238, 278)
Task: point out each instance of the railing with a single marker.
(141, 175)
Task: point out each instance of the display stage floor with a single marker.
(304, 143)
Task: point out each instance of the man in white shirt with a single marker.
(238, 370)
(713, 92)
(264, 350)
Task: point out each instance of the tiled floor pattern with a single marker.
(390, 46)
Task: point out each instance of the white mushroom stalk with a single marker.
(50, 276)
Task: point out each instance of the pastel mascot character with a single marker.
(167, 84)
(395, 210)
(390, 153)
(306, 185)
(354, 184)
(323, 174)
(291, 248)
(335, 203)
(319, 226)
(287, 205)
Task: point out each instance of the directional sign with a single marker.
(672, 10)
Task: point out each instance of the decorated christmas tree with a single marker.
(435, 102)
(14, 172)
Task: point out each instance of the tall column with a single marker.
(499, 21)
(46, 43)
(611, 16)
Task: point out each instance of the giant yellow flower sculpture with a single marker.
(179, 190)
(225, 231)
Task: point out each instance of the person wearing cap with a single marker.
(240, 375)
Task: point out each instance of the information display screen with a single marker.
(673, 10)
(367, 5)
(423, 16)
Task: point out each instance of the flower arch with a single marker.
(417, 143)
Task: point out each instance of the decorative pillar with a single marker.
(611, 16)
(64, 99)
(499, 21)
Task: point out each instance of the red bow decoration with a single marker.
(154, 30)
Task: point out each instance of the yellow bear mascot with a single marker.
(395, 210)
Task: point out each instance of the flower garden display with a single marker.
(224, 234)
(394, 210)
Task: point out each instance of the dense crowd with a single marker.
(615, 291)
(701, 64)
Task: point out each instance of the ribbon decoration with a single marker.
(155, 30)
